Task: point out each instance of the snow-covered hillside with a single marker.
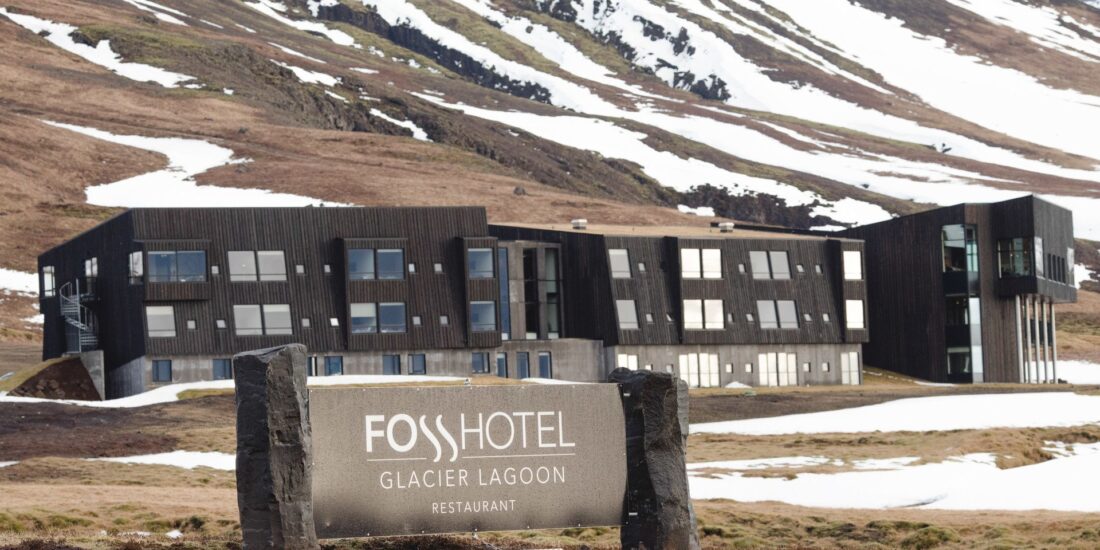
(844, 111)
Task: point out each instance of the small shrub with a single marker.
(9, 524)
(929, 537)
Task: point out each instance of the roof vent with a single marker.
(725, 227)
(580, 223)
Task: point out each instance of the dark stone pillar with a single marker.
(657, 507)
(274, 449)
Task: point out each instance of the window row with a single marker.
(709, 315)
(222, 369)
(706, 263)
(701, 370)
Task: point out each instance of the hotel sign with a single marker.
(411, 460)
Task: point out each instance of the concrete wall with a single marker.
(128, 379)
(732, 360)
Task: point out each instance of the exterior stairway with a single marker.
(81, 333)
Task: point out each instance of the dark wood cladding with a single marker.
(904, 266)
(659, 291)
(309, 237)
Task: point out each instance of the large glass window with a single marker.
(391, 364)
(960, 248)
(483, 316)
(760, 268)
(165, 266)
(546, 365)
(137, 268)
(364, 318)
(620, 263)
(853, 265)
(392, 316)
(853, 314)
(1039, 270)
(765, 312)
(391, 264)
(191, 266)
(223, 369)
(161, 321)
(162, 266)
(713, 316)
(505, 295)
(553, 294)
(334, 365)
(712, 263)
(770, 265)
(49, 281)
(272, 265)
(788, 315)
(242, 265)
(1071, 261)
(693, 314)
(360, 264)
(628, 314)
(480, 263)
(691, 266)
(277, 319)
(1014, 257)
(247, 320)
(781, 267)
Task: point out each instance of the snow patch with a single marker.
(275, 10)
(180, 459)
(417, 132)
(1082, 273)
(163, 13)
(296, 53)
(19, 281)
(704, 211)
(1078, 372)
(308, 76)
(6, 464)
(59, 34)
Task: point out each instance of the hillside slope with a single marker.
(772, 111)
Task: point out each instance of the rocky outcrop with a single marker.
(274, 449)
(63, 378)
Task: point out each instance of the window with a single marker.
(799, 268)
(748, 368)
(1071, 259)
(242, 265)
(214, 270)
(91, 268)
(418, 364)
(1014, 257)
(483, 317)
(412, 268)
(480, 263)
(306, 322)
(765, 309)
(162, 370)
(853, 313)
(505, 295)
(641, 267)
(620, 263)
(364, 318)
(502, 365)
(627, 313)
(334, 365)
(693, 314)
(220, 323)
(438, 267)
(788, 318)
(392, 317)
(191, 325)
(299, 269)
(805, 367)
(277, 319)
(328, 269)
(272, 265)
(360, 264)
(161, 321)
(183, 266)
(807, 318)
(523, 364)
(691, 267)
(137, 268)
(850, 368)
(546, 366)
(333, 322)
(825, 317)
(749, 317)
(817, 269)
(444, 320)
(712, 263)
(479, 362)
(741, 268)
(49, 281)
(416, 320)
(649, 318)
(626, 361)
(162, 266)
(247, 321)
(1039, 270)
(223, 369)
(391, 364)
(191, 266)
(391, 264)
(713, 318)
(960, 248)
(853, 265)
(770, 265)
(825, 367)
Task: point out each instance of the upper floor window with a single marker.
(368, 263)
(853, 265)
(91, 268)
(161, 321)
(364, 318)
(272, 265)
(391, 263)
(483, 316)
(1039, 271)
(480, 263)
(391, 316)
(137, 267)
(853, 314)
(361, 264)
(1071, 261)
(703, 263)
(263, 265)
(256, 320)
(175, 266)
(1014, 257)
(770, 265)
(704, 315)
(620, 263)
(774, 314)
(627, 313)
(960, 248)
(49, 281)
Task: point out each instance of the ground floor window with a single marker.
(418, 364)
(391, 364)
(849, 368)
(502, 363)
(162, 370)
(700, 370)
(546, 366)
(778, 369)
(334, 365)
(479, 362)
(626, 361)
(523, 364)
(223, 369)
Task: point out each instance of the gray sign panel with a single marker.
(394, 461)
